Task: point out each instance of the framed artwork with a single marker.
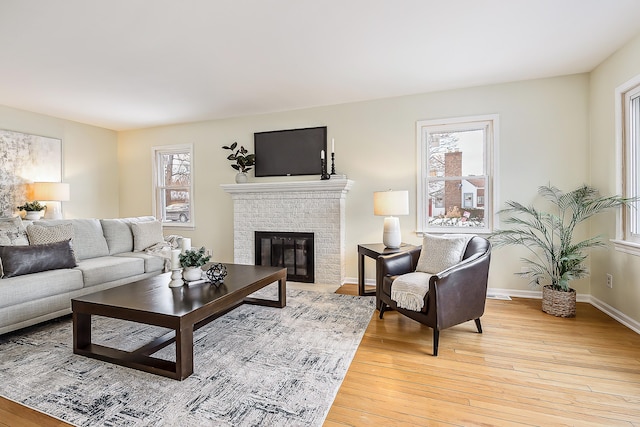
(26, 158)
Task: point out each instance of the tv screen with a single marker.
(290, 152)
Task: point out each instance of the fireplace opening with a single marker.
(293, 251)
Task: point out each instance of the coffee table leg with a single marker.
(184, 351)
(81, 331)
(282, 292)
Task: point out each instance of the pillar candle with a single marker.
(175, 259)
(186, 244)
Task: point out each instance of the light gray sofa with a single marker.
(107, 253)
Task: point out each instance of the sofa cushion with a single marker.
(36, 286)
(88, 241)
(146, 234)
(12, 232)
(441, 252)
(20, 260)
(151, 262)
(108, 269)
(118, 234)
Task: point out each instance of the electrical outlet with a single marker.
(609, 280)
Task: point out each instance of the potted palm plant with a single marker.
(192, 261)
(556, 258)
(243, 161)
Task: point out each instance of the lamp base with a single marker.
(391, 236)
(53, 210)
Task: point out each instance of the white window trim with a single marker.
(491, 161)
(154, 184)
(621, 243)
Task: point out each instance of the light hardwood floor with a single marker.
(527, 368)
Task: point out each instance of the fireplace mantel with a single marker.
(289, 186)
(316, 207)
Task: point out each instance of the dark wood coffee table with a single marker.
(184, 309)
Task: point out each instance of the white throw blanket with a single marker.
(408, 290)
(163, 250)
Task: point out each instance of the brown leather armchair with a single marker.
(456, 295)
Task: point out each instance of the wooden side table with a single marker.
(374, 250)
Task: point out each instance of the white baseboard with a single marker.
(616, 314)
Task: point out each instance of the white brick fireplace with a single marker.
(302, 206)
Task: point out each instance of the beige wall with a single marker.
(543, 136)
(90, 163)
(605, 169)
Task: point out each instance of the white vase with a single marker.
(241, 177)
(192, 273)
(33, 215)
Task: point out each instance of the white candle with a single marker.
(186, 244)
(333, 145)
(175, 259)
(322, 154)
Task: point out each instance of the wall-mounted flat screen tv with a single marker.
(290, 152)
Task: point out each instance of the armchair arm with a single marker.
(396, 264)
(459, 293)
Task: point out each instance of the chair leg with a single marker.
(382, 307)
(436, 338)
(478, 325)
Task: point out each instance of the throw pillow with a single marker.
(146, 234)
(12, 232)
(42, 234)
(441, 252)
(19, 260)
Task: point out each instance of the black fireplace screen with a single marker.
(293, 251)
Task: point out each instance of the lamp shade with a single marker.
(50, 191)
(390, 203)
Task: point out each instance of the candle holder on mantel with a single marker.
(324, 175)
(333, 163)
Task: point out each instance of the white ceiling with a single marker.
(127, 64)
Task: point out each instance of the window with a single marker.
(628, 148)
(173, 185)
(456, 174)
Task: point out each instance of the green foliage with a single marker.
(243, 160)
(548, 235)
(31, 206)
(192, 258)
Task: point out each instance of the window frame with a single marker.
(156, 153)
(490, 122)
(627, 155)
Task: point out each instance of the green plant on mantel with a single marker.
(31, 206)
(241, 156)
(191, 258)
(556, 259)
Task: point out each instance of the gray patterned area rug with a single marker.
(255, 366)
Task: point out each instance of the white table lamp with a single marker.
(390, 204)
(52, 193)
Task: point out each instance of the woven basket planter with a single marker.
(558, 303)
